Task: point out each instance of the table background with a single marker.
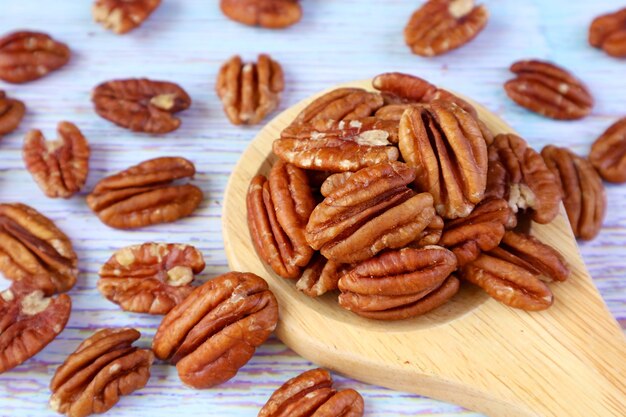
(186, 41)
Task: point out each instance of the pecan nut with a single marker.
(59, 167)
(374, 210)
(582, 190)
(143, 195)
(518, 174)
(104, 367)
(440, 26)
(320, 276)
(608, 32)
(401, 88)
(28, 322)
(311, 394)
(150, 278)
(122, 16)
(608, 153)
(272, 14)
(217, 329)
(431, 235)
(550, 90)
(11, 113)
(34, 251)
(252, 91)
(400, 284)
(27, 56)
(141, 105)
(445, 145)
(346, 129)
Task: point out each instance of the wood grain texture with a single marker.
(185, 41)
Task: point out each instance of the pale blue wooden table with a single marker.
(185, 41)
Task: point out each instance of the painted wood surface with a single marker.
(186, 41)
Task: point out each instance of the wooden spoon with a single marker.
(567, 361)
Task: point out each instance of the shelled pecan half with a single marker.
(608, 32)
(143, 194)
(58, 167)
(217, 329)
(11, 113)
(122, 16)
(582, 190)
(398, 88)
(608, 153)
(150, 278)
(26, 56)
(271, 14)
(320, 276)
(104, 367)
(346, 129)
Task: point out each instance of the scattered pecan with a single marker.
(608, 32)
(445, 145)
(150, 278)
(547, 89)
(608, 153)
(27, 56)
(250, 92)
(440, 26)
(104, 367)
(34, 251)
(582, 190)
(311, 394)
(11, 113)
(216, 330)
(59, 167)
(400, 284)
(320, 276)
(518, 174)
(272, 14)
(122, 16)
(28, 322)
(141, 105)
(373, 210)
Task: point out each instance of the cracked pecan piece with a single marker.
(34, 251)
(217, 329)
(122, 16)
(549, 90)
(104, 367)
(320, 276)
(140, 104)
(311, 394)
(58, 167)
(519, 175)
(143, 194)
(608, 153)
(150, 278)
(250, 91)
(28, 323)
(608, 32)
(27, 56)
(11, 113)
(440, 26)
(582, 190)
(271, 14)
(445, 145)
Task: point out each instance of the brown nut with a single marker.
(431, 235)
(440, 26)
(250, 92)
(608, 153)
(445, 145)
(217, 329)
(608, 32)
(104, 367)
(58, 167)
(122, 16)
(403, 87)
(320, 276)
(150, 278)
(27, 56)
(34, 251)
(374, 210)
(346, 129)
(582, 190)
(518, 174)
(141, 105)
(142, 195)
(28, 322)
(11, 113)
(272, 14)
(311, 394)
(550, 90)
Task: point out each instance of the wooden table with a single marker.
(185, 41)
